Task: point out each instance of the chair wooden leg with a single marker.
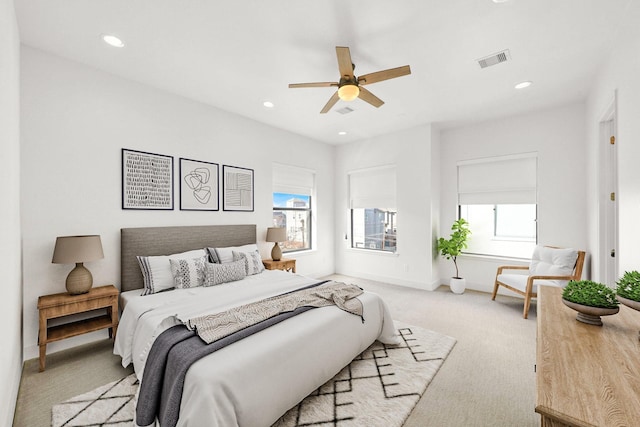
(527, 303)
(495, 291)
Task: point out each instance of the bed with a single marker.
(254, 381)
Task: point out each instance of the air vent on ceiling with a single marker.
(494, 59)
(345, 110)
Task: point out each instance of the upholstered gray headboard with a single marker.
(170, 240)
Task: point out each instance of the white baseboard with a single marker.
(387, 279)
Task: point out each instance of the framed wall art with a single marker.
(198, 185)
(147, 180)
(237, 193)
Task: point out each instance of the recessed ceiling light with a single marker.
(500, 1)
(342, 132)
(112, 40)
(268, 104)
(522, 85)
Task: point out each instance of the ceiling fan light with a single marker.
(348, 92)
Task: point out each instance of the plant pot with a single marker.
(629, 302)
(457, 285)
(590, 315)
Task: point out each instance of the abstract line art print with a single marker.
(237, 186)
(147, 180)
(198, 186)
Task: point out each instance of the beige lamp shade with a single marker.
(77, 250)
(276, 234)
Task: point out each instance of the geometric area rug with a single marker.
(380, 387)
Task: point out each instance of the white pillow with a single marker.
(222, 255)
(552, 261)
(252, 261)
(215, 274)
(187, 273)
(156, 270)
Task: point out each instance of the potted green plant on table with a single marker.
(628, 290)
(452, 247)
(591, 300)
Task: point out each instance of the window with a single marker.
(501, 230)
(373, 228)
(293, 212)
(374, 217)
(293, 188)
(497, 196)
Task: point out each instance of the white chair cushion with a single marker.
(519, 281)
(552, 261)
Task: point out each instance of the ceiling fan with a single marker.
(350, 86)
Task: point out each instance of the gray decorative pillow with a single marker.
(223, 255)
(187, 273)
(252, 260)
(215, 274)
(156, 270)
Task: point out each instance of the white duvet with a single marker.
(256, 380)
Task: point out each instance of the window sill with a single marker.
(295, 254)
(372, 252)
(494, 258)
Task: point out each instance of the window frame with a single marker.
(309, 227)
(382, 250)
(526, 245)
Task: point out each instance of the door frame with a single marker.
(608, 184)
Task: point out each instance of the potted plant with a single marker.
(451, 248)
(591, 300)
(628, 290)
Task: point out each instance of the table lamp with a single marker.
(78, 249)
(276, 234)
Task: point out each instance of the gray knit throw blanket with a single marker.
(212, 327)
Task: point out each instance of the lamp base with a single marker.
(276, 252)
(79, 281)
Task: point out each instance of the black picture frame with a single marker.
(199, 185)
(147, 180)
(237, 189)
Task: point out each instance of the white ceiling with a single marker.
(236, 54)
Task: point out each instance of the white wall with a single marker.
(558, 136)
(410, 151)
(11, 301)
(76, 119)
(619, 74)
(436, 183)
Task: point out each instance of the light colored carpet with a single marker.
(379, 388)
(488, 380)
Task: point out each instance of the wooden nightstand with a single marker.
(284, 264)
(64, 304)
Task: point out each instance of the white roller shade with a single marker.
(293, 180)
(498, 180)
(373, 188)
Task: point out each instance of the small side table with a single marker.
(64, 304)
(284, 264)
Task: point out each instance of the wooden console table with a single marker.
(586, 375)
(64, 304)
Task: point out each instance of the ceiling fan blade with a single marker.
(331, 103)
(318, 84)
(344, 62)
(379, 76)
(367, 96)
